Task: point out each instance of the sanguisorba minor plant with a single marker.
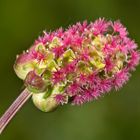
(76, 65)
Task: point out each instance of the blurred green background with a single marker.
(114, 117)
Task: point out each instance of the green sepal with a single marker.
(97, 63)
(84, 68)
(67, 57)
(23, 69)
(52, 66)
(48, 92)
(55, 42)
(40, 48)
(44, 104)
(47, 75)
(35, 90)
(50, 56)
(46, 101)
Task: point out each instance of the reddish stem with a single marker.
(13, 109)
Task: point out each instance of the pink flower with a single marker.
(35, 53)
(82, 26)
(118, 27)
(121, 78)
(69, 68)
(134, 60)
(87, 96)
(73, 89)
(61, 98)
(108, 48)
(67, 40)
(85, 55)
(78, 100)
(108, 64)
(38, 55)
(58, 76)
(96, 93)
(58, 50)
(100, 26)
(106, 85)
(59, 33)
(130, 44)
(82, 79)
(77, 40)
(94, 81)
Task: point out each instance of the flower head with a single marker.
(78, 64)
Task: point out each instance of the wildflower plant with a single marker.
(76, 65)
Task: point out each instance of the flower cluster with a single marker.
(78, 64)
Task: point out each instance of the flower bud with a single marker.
(24, 64)
(46, 103)
(34, 82)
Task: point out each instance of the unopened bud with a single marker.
(24, 64)
(46, 103)
(34, 82)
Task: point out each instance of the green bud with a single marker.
(23, 65)
(46, 103)
(67, 57)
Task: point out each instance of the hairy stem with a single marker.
(13, 109)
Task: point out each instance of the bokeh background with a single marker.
(114, 117)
